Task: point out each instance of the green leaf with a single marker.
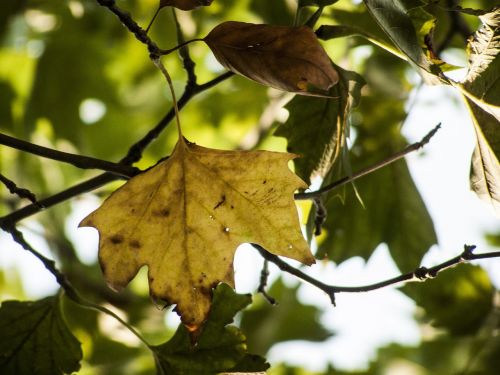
(316, 127)
(276, 12)
(482, 88)
(483, 78)
(317, 3)
(220, 347)
(485, 165)
(266, 325)
(358, 22)
(394, 19)
(392, 211)
(458, 300)
(36, 340)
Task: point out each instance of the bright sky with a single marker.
(362, 322)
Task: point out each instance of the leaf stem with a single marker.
(159, 65)
(179, 46)
(152, 20)
(347, 179)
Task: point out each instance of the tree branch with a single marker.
(69, 290)
(345, 180)
(78, 161)
(132, 26)
(264, 274)
(420, 274)
(134, 154)
(20, 192)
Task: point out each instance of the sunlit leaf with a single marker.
(36, 340)
(220, 346)
(482, 87)
(185, 218)
(283, 57)
(394, 19)
(316, 127)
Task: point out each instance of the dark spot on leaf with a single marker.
(221, 202)
(164, 212)
(232, 207)
(264, 182)
(270, 190)
(116, 239)
(135, 244)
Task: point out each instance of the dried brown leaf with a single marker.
(283, 57)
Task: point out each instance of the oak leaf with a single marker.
(185, 218)
(185, 4)
(284, 57)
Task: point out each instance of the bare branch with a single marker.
(345, 180)
(61, 279)
(132, 26)
(78, 161)
(20, 192)
(420, 274)
(264, 274)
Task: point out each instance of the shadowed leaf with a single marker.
(392, 211)
(283, 57)
(316, 127)
(220, 346)
(185, 4)
(266, 325)
(185, 218)
(35, 339)
(458, 300)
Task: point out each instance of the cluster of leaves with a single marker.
(185, 217)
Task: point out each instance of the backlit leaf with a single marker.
(185, 4)
(283, 57)
(35, 339)
(393, 18)
(185, 218)
(482, 86)
(220, 346)
(316, 127)
(392, 211)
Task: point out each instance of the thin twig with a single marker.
(179, 46)
(79, 161)
(420, 274)
(69, 290)
(20, 192)
(125, 18)
(264, 275)
(347, 179)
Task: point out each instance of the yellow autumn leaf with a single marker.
(185, 218)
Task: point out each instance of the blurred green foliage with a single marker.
(72, 78)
